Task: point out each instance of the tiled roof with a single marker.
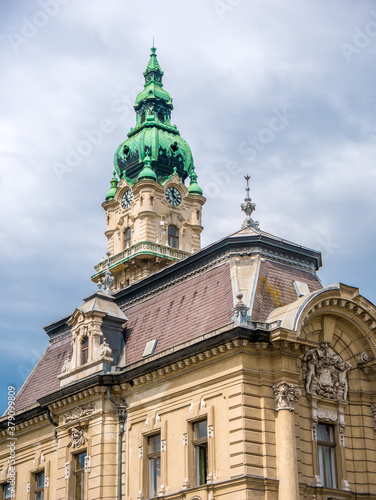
(180, 313)
(275, 287)
(43, 379)
(183, 302)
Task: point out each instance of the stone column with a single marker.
(287, 467)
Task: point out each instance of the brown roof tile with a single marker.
(275, 287)
(180, 313)
(43, 379)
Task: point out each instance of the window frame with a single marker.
(3, 486)
(127, 238)
(84, 350)
(173, 239)
(152, 457)
(40, 489)
(323, 458)
(198, 444)
(79, 473)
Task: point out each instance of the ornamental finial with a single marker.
(248, 207)
(108, 279)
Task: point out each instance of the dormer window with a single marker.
(84, 350)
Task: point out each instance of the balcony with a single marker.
(145, 249)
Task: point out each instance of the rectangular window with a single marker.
(84, 350)
(200, 450)
(39, 486)
(326, 448)
(79, 476)
(127, 237)
(173, 237)
(154, 464)
(6, 491)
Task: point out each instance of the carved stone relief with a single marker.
(105, 351)
(325, 373)
(78, 412)
(67, 364)
(285, 395)
(77, 437)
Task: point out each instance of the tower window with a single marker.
(160, 117)
(200, 449)
(127, 237)
(173, 237)
(84, 350)
(154, 459)
(326, 455)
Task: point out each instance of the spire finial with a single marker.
(108, 279)
(248, 207)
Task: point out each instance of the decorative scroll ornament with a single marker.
(78, 412)
(67, 470)
(325, 373)
(285, 395)
(77, 437)
(373, 409)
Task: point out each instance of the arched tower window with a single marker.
(84, 350)
(127, 237)
(173, 236)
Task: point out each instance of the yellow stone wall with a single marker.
(230, 385)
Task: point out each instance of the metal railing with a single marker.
(143, 247)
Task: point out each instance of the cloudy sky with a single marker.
(284, 91)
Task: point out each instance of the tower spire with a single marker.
(248, 207)
(153, 72)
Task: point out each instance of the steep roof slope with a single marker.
(180, 313)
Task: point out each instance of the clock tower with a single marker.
(153, 208)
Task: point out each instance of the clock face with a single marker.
(173, 196)
(127, 199)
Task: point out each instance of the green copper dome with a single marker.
(147, 172)
(114, 185)
(193, 187)
(153, 136)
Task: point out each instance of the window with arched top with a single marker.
(84, 350)
(173, 236)
(127, 237)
